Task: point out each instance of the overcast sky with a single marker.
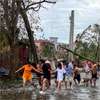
(55, 19)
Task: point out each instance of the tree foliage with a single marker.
(48, 51)
(87, 44)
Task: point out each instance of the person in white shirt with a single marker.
(60, 76)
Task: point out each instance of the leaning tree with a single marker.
(88, 42)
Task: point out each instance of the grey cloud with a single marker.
(55, 20)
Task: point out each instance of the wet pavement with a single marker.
(78, 93)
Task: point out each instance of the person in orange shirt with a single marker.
(27, 74)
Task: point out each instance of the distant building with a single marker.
(41, 44)
(54, 40)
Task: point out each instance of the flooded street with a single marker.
(78, 93)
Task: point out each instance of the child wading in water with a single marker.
(60, 76)
(27, 75)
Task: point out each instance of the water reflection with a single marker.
(78, 93)
(10, 96)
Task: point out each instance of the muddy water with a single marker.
(78, 93)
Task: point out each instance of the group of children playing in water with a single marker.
(68, 73)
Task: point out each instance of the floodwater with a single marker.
(78, 93)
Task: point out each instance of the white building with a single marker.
(54, 40)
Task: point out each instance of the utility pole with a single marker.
(71, 36)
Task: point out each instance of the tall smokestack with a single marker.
(71, 36)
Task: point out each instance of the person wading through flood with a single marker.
(69, 75)
(46, 76)
(40, 77)
(94, 75)
(60, 76)
(63, 63)
(87, 71)
(27, 74)
(76, 75)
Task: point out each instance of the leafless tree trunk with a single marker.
(29, 31)
(22, 10)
